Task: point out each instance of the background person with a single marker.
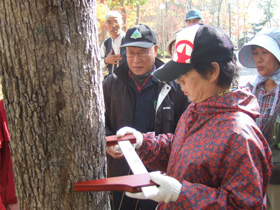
(8, 199)
(133, 97)
(111, 54)
(218, 157)
(263, 53)
(171, 43)
(193, 17)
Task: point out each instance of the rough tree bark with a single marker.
(53, 98)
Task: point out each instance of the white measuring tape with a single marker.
(137, 166)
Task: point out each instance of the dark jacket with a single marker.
(108, 46)
(119, 104)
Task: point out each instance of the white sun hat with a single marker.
(268, 39)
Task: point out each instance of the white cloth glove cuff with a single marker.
(169, 189)
(127, 130)
(175, 191)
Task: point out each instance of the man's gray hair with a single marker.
(114, 14)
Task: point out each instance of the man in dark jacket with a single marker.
(133, 97)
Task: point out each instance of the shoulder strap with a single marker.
(108, 46)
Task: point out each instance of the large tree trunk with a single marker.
(53, 98)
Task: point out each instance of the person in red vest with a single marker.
(8, 199)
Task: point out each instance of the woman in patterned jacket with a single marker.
(218, 157)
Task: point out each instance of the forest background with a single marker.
(241, 19)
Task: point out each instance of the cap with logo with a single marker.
(197, 44)
(193, 14)
(140, 36)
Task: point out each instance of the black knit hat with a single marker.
(140, 36)
(196, 45)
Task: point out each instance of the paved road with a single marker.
(246, 75)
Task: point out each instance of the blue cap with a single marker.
(193, 14)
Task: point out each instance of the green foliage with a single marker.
(256, 27)
(267, 6)
(121, 3)
(101, 10)
(243, 41)
(231, 15)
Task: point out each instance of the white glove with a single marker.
(126, 130)
(169, 188)
(114, 151)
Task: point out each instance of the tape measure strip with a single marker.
(136, 166)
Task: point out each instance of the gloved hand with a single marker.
(114, 151)
(169, 188)
(126, 130)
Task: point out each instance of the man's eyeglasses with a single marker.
(142, 54)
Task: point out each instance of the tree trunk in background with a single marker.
(54, 102)
(123, 12)
(138, 15)
(219, 10)
(229, 19)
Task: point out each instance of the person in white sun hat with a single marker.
(263, 53)
(217, 158)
